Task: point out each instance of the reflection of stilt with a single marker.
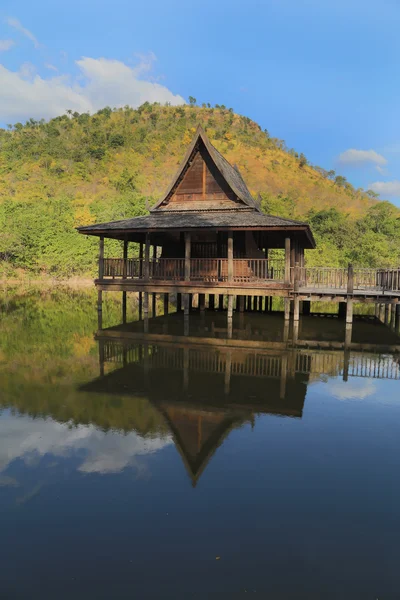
(286, 331)
(186, 324)
(348, 334)
(295, 332)
(387, 313)
(398, 317)
(284, 368)
(185, 369)
(346, 364)
(228, 368)
(146, 363)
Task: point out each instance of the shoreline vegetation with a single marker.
(80, 169)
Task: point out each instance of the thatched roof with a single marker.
(159, 222)
(231, 174)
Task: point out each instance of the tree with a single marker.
(192, 101)
(372, 194)
(302, 161)
(340, 180)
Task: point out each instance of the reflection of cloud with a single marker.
(355, 389)
(29, 440)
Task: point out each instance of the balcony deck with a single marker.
(262, 277)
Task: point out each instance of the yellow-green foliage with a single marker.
(80, 169)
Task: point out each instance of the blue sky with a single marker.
(322, 75)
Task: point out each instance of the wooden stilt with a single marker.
(342, 310)
(211, 302)
(178, 302)
(230, 316)
(296, 309)
(306, 307)
(124, 307)
(387, 314)
(202, 302)
(140, 305)
(154, 305)
(221, 302)
(166, 303)
(349, 311)
(241, 303)
(286, 303)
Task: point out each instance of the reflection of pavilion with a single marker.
(205, 386)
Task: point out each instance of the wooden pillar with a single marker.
(221, 302)
(287, 260)
(146, 269)
(377, 311)
(101, 257)
(100, 309)
(125, 266)
(178, 302)
(349, 311)
(382, 312)
(141, 260)
(187, 256)
(296, 309)
(140, 305)
(154, 305)
(230, 256)
(241, 303)
(166, 303)
(393, 315)
(286, 303)
(190, 302)
(230, 316)
(387, 313)
(350, 279)
(146, 311)
(202, 302)
(211, 301)
(284, 368)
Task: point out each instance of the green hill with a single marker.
(80, 169)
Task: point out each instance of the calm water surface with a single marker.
(161, 465)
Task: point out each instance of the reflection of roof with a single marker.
(199, 411)
(198, 434)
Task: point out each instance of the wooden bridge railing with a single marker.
(347, 279)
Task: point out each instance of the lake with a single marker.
(175, 462)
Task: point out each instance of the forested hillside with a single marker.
(78, 169)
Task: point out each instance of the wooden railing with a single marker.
(201, 269)
(347, 279)
(248, 270)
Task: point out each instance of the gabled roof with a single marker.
(231, 174)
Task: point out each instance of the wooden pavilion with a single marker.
(207, 235)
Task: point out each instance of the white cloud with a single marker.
(102, 82)
(386, 188)
(6, 45)
(51, 67)
(360, 157)
(28, 440)
(12, 22)
(355, 389)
